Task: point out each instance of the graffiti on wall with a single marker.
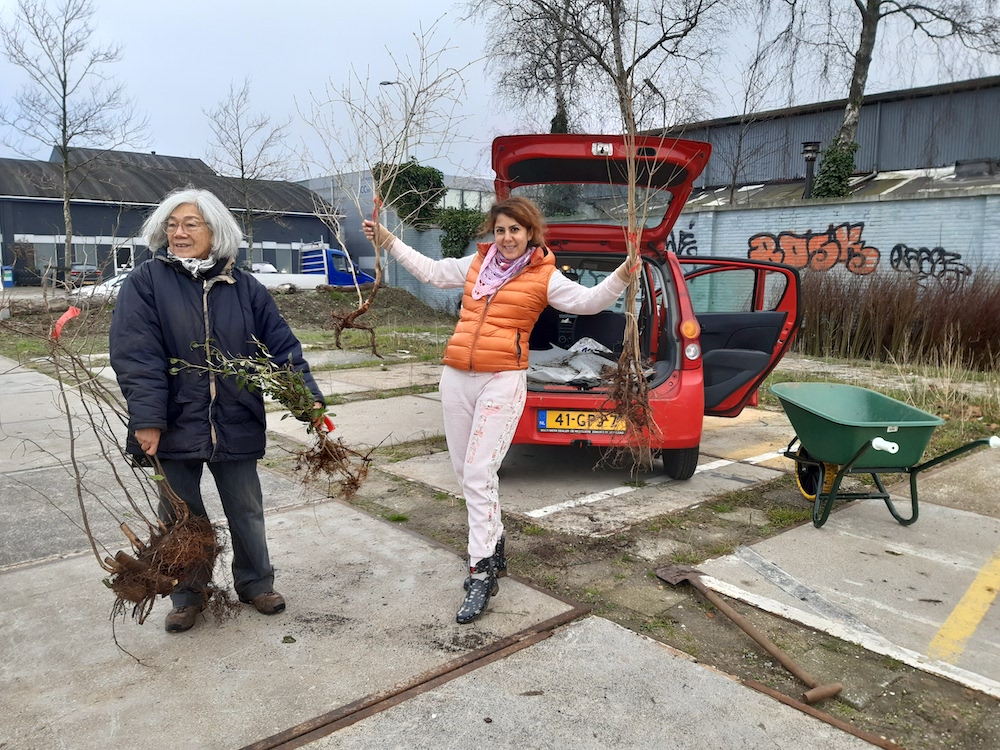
(841, 244)
(930, 263)
(683, 242)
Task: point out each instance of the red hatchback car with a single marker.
(711, 328)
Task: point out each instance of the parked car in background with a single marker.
(710, 329)
(81, 274)
(106, 291)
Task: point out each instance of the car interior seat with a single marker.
(546, 330)
(606, 327)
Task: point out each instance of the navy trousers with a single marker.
(243, 503)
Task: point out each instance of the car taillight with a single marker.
(690, 331)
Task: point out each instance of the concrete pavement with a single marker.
(370, 622)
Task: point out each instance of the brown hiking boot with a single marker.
(268, 603)
(180, 619)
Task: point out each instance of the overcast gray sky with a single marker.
(181, 56)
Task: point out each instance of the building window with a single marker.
(284, 260)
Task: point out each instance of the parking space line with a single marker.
(951, 639)
(763, 457)
(589, 499)
(596, 497)
(713, 465)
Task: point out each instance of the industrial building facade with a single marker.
(921, 128)
(114, 191)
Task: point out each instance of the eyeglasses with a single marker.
(190, 226)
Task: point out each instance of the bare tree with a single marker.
(366, 130)
(251, 149)
(69, 101)
(568, 49)
(544, 62)
(843, 34)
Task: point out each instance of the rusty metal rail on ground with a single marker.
(328, 723)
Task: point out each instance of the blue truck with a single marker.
(321, 265)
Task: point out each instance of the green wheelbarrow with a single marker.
(844, 429)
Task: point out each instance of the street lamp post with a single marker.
(810, 150)
(406, 114)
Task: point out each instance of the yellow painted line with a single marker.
(950, 641)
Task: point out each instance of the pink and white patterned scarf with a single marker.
(497, 271)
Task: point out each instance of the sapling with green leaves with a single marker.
(324, 458)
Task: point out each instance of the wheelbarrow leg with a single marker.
(824, 503)
(992, 442)
(914, 511)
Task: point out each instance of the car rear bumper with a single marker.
(677, 405)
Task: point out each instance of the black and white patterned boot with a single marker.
(479, 592)
(499, 561)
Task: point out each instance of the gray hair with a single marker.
(226, 232)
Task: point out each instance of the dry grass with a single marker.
(895, 318)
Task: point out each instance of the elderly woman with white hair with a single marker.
(170, 308)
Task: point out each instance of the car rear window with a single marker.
(601, 204)
(585, 274)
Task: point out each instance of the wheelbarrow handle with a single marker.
(881, 444)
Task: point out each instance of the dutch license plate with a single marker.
(552, 420)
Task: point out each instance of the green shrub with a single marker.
(460, 226)
(414, 192)
(835, 169)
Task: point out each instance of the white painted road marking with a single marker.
(596, 497)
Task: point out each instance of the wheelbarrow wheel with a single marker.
(807, 476)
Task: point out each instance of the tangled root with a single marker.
(331, 460)
(342, 321)
(186, 549)
(628, 400)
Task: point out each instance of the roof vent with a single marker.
(977, 167)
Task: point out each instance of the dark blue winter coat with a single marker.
(164, 312)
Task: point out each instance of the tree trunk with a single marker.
(67, 218)
(560, 122)
(870, 18)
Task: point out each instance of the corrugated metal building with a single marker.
(919, 128)
(114, 191)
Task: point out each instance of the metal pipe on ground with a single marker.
(678, 574)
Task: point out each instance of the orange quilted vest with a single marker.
(492, 332)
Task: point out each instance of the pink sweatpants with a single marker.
(481, 411)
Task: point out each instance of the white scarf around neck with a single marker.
(197, 267)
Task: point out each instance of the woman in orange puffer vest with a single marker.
(507, 285)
